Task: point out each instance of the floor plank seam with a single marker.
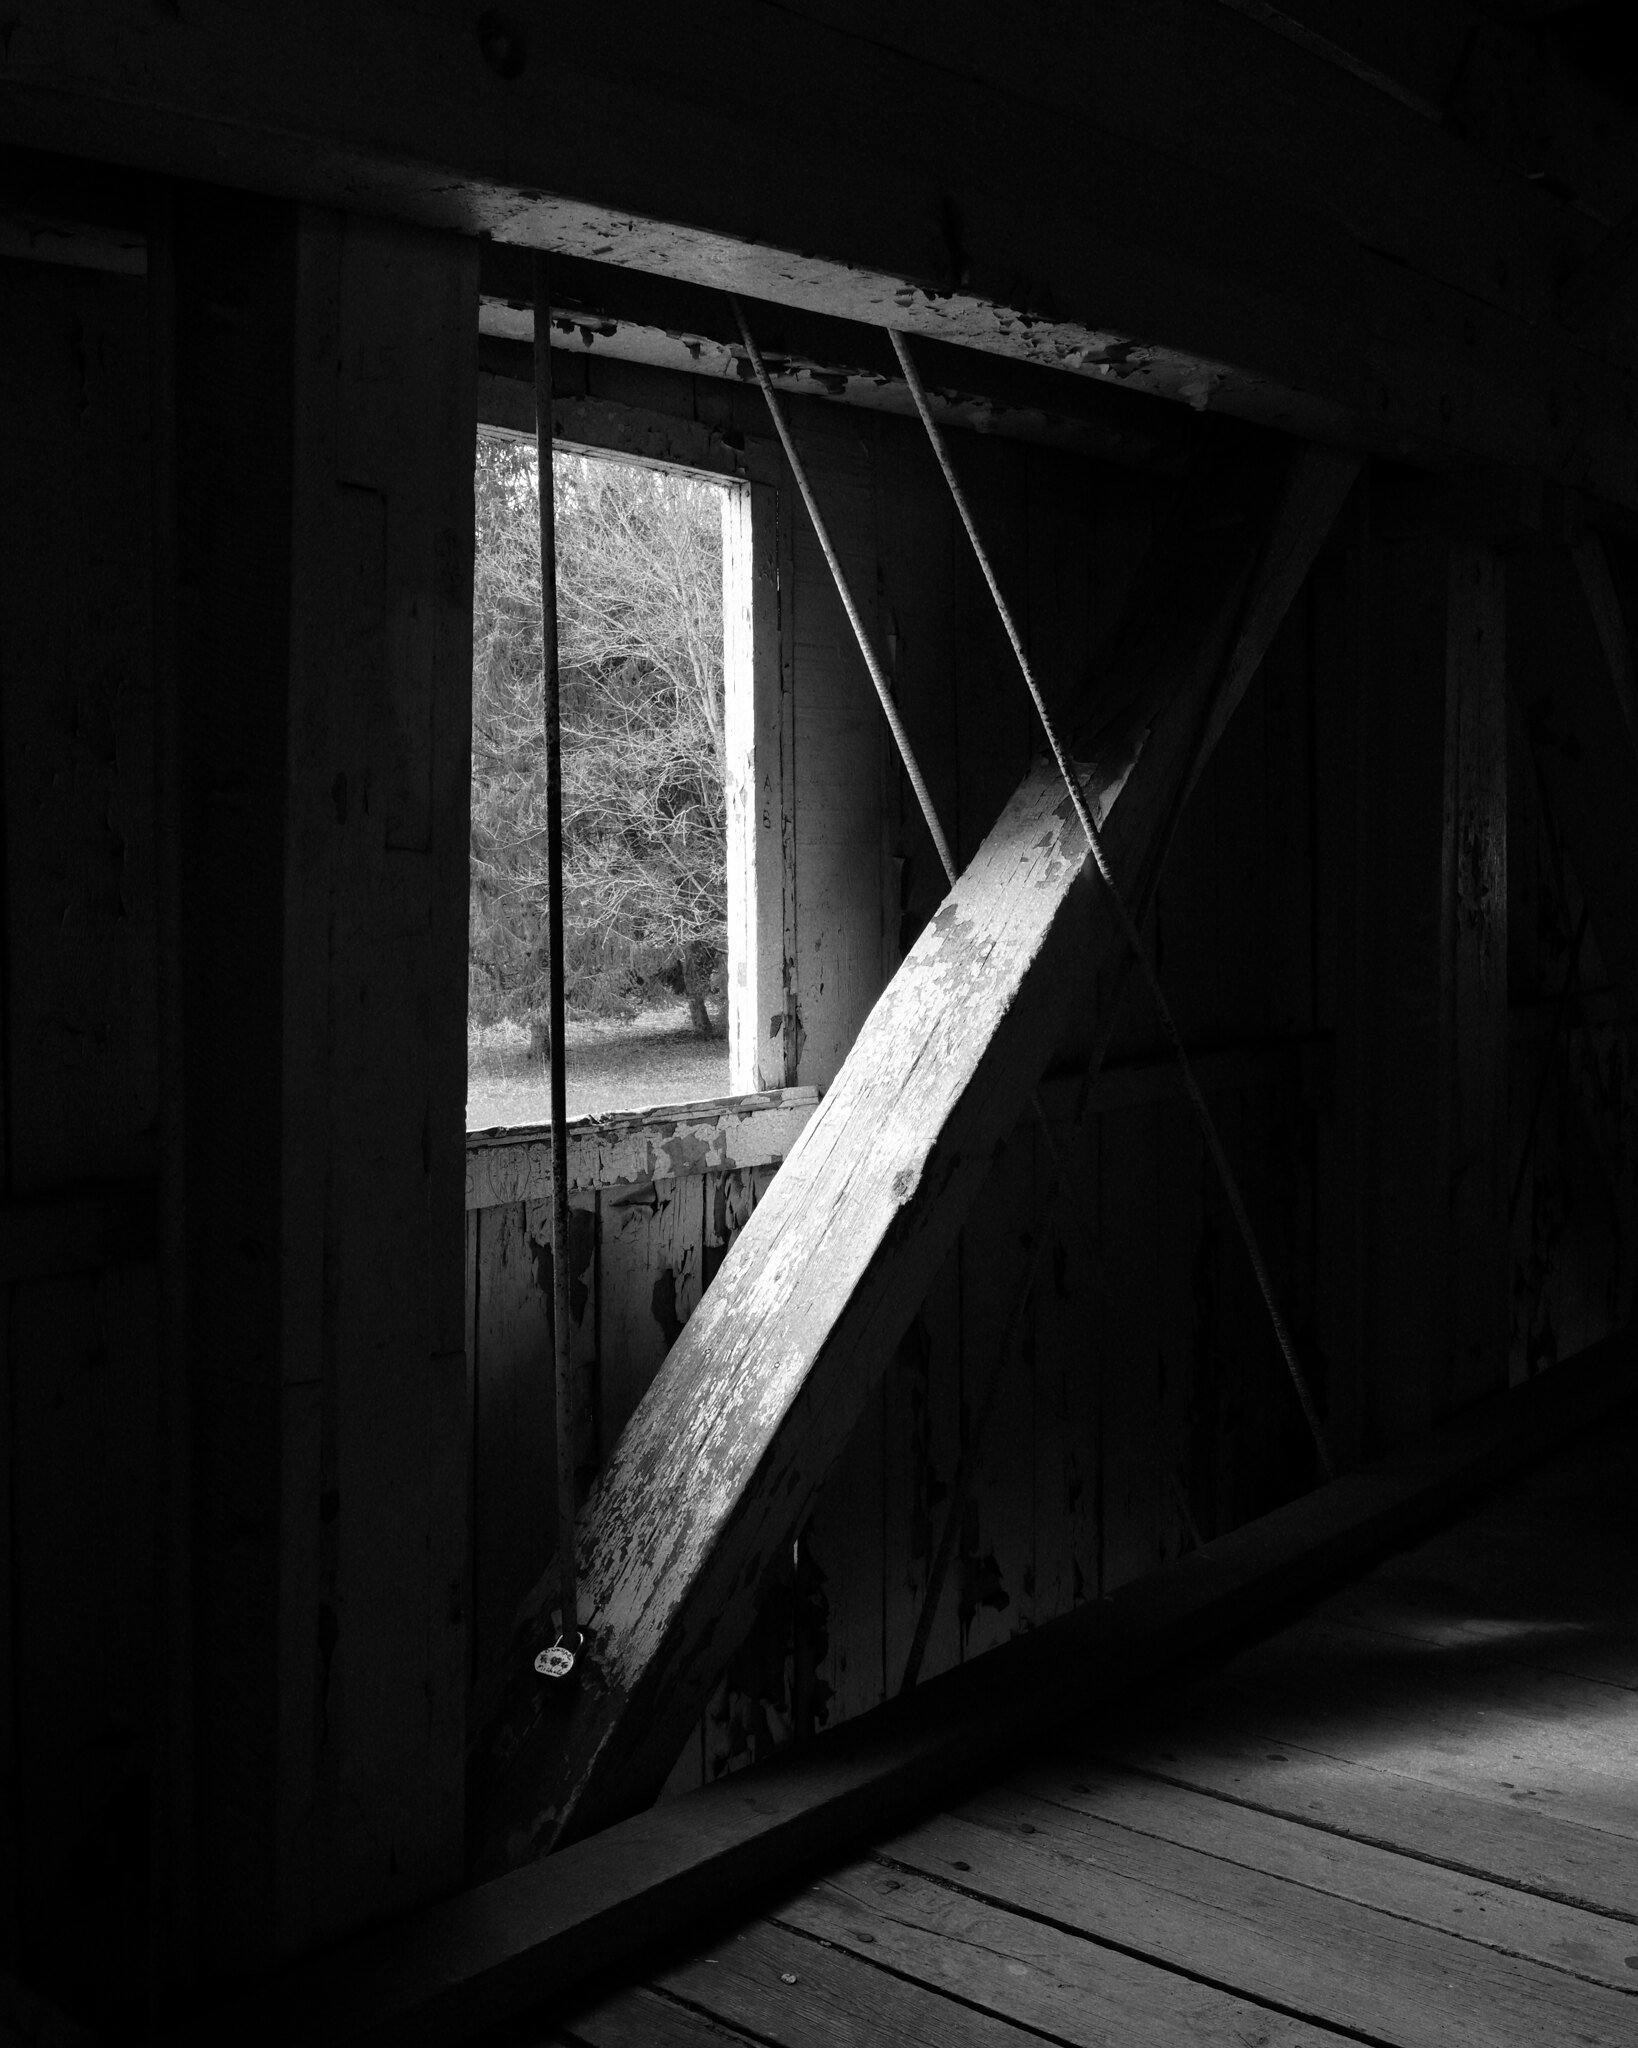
(932, 1990)
(731, 2030)
(1386, 1772)
(1341, 2031)
(1497, 1948)
(1459, 1869)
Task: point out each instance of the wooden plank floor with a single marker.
(1409, 1817)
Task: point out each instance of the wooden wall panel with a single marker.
(922, 1448)
(1105, 1454)
(839, 737)
(83, 1354)
(1180, 1224)
(845, 1550)
(644, 1239)
(514, 1424)
(78, 1052)
(1476, 747)
(11, 1819)
(1337, 596)
(1135, 1507)
(993, 1573)
(919, 552)
(1150, 1408)
(1068, 1436)
(1572, 1099)
(77, 744)
(372, 1158)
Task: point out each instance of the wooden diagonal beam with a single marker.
(729, 1448)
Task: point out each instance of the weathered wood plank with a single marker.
(1514, 1844)
(323, 463)
(760, 1392)
(758, 781)
(657, 328)
(641, 2018)
(372, 773)
(1184, 1391)
(992, 1577)
(1068, 1379)
(1260, 1936)
(782, 1987)
(923, 1449)
(740, 1131)
(1592, 564)
(1481, 1173)
(1582, 743)
(76, 729)
(844, 1544)
(842, 750)
(1340, 592)
(76, 1230)
(82, 1358)
(514, 1423)
(1406, 906)
(1476, 1723)
(1026, 1969)
(650, 1276)
(1135, 1500)
(1492, 1915)
(10, 1821)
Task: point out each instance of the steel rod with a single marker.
(1163, 1012)
(563, 1385)
(872, 662)
(907, 753)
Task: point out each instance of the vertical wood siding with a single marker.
(1144, 1407)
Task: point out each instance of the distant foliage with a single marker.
(640, 651)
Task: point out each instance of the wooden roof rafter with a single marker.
(1168, 197)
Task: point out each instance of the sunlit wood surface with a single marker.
(1410, 1816)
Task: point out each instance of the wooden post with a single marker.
(1571, 674)
(762, 1039)
(1475, 863)
(1432, 987)
(325, 385)
(1347, 997)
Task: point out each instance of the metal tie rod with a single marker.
(1168, 1024)
(878, 677)
(559, 1661)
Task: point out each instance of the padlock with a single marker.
(558, 1663)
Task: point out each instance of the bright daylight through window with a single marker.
(640, 602)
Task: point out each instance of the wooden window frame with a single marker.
(763, 1033)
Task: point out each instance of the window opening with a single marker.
(641, 606)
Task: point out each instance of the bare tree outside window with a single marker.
(641, 655)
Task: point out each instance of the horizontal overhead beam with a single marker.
(1166, 196)
(666, 323)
